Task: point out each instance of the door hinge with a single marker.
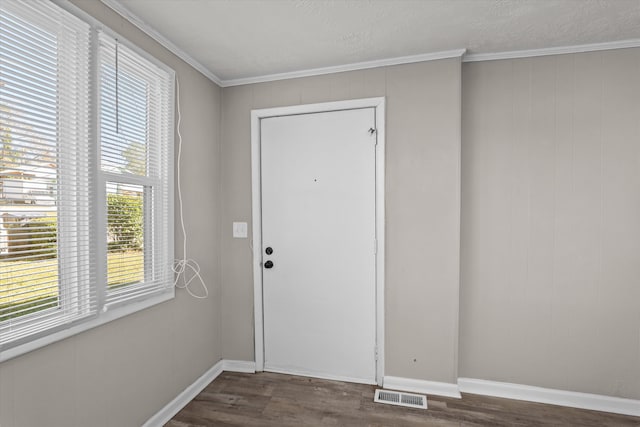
(375, 352)
(372, 132)
(375, 246)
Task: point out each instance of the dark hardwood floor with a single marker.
(266, 399)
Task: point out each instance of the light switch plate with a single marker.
(239, 230)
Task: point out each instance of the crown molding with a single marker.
(347, 67)
(119, 8)
(561, 50)
(135, 20)
(123, 11)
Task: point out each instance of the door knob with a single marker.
(268, 264)
(269, 250)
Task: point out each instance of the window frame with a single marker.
(98, 215)
(152, 183)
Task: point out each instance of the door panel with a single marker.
(318, 216)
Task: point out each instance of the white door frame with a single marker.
(256, 205)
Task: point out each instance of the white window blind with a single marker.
(135, 118)
(86, 135)
(44, 170)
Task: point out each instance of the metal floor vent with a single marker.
(401, 399)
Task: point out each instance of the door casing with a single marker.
(256, 116)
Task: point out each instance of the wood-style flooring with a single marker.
(267, 399)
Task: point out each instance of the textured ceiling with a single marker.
(246, 38)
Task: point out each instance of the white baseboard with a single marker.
(165, 414)
(239, 366)
(594, 402)
(421, 386)
(572, 399)
(172, 408)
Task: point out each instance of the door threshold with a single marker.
(320, 375)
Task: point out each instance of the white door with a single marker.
(318, 218)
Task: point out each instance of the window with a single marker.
(134, 170)
(86, 136)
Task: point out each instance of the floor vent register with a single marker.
(401, 399)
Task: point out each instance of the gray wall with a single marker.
(422, 212)
(550, 236)
(551, 222)
(121, 373)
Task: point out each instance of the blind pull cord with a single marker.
(117, 92)
(186, 269)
